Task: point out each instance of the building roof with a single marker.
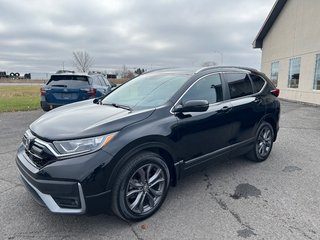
(274, 13)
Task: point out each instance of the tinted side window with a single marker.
(239, 84)
(95, 81)
(257, 82)
(105, 81)
(208, 88)
(102, 82)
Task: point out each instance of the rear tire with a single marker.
(141, 187)
(263, 143)
(45, 107)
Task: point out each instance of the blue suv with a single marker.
(68, 88)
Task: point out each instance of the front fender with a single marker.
(157, 144)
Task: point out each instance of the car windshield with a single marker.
(145, 91)
(67, 81)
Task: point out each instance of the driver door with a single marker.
(204, 135)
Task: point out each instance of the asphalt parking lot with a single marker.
(276, 199)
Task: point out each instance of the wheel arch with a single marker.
(270, 119)
(141, 145)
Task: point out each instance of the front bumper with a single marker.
(49, 201)
(70, 186)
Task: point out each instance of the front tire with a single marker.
(141, 187)
(263, 143)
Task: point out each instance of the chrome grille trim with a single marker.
(36, 151)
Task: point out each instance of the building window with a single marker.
(294, 72)
(274, 72)
(317, 73)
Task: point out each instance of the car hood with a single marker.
(84, 119)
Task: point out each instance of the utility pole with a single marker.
(221, 56)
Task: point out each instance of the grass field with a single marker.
(19, 98)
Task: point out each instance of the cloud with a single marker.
(37, 36)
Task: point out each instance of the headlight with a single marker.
(85, 145)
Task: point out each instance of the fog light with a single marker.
(65, 202)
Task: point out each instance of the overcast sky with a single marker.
(38, 36)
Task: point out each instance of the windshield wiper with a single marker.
(119, 106)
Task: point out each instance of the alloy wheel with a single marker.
(145, 188)
(264, 142)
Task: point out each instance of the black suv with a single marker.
(123, 151)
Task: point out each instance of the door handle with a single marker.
(224, 109)
(258, 100)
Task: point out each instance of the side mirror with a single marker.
(192, 106)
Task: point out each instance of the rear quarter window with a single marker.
(257, 82)
(107, 83)
(239, 84)
(96, 81)
(102, 82)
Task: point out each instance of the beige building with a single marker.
(290, 44)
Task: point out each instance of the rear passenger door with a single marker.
(247, 105)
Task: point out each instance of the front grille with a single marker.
(38, 153)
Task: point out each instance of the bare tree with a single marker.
(130, 74)
(123, 71)
(82, 61)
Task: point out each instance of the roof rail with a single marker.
(206, 68)
(158, 69)
(219, 67)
